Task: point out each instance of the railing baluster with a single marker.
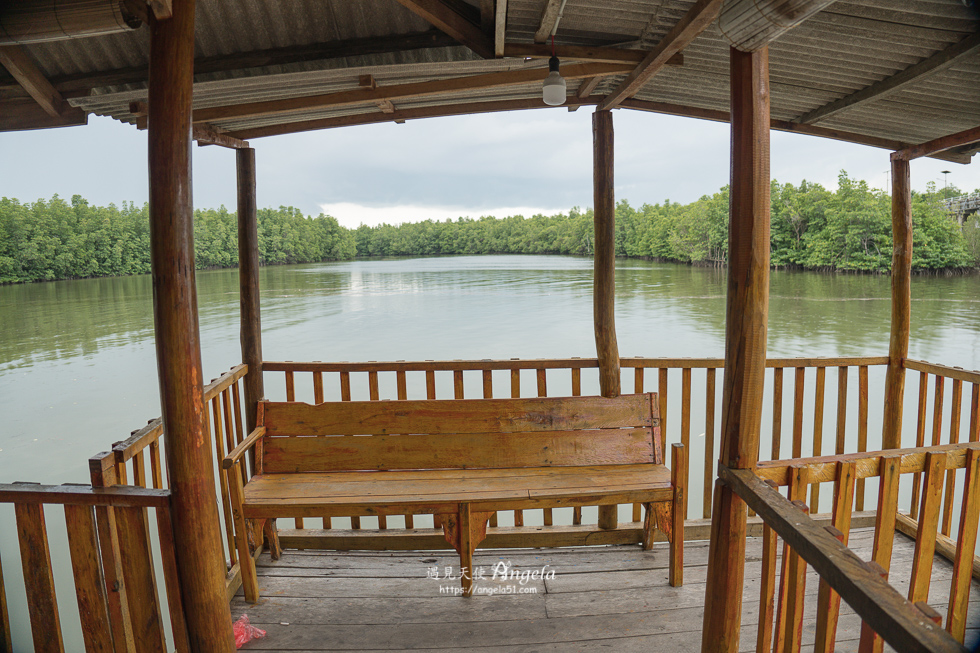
(777, 413)
(959, 596)
(920, 440)
(401, 384)
(458, 391)
(871, 642)
(318, 387)
(140, 579)
(171, 579)
(290, 387)
(799, 480)
(139, 470)
(799, 385)
(373, 390)
(767, 588)
(954, 438)
(795, 592)
(662, 397)
(577, 382)
(841, 410)
(542, 378)
(42, 604)
(156, 470)
(925, 538)
(6, 641)
(83, 545)
(709, 440)
(818, 401)
(638, 380)
(237, 413)
(828, 601)
(862, 443)
(487, 384)
(220, 453)
(515, 391)
(345, 386)
(937, 409)
(430, 384)
(974, 435)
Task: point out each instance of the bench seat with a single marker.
(439, 491)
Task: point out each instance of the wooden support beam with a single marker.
(248, 283)
(447, 19)
(204, 133)
(697, 19)
(584, 90)
(82, 83)
(367, 81)
(23, 69)
(875, 601)
(898, 346)
(917, 72)
(386, 106)
(401, 91)
(197, 536)
(965, 137)
(745, 341)
(399, 115)
(162, 9)
(787, 126)
(752, 24)
(18, 115)
(500, 29)
(549, 18)
(596, 54)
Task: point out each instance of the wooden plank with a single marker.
(709, 441)
(965, 137)
(577, 382)
(944, 546)
(542, 380)
(954, 437)
(925, 540)
(767, 590)
(500, 28)
(318, 387)
(549, 20)
(401, 383)
(920, 439)
(916, 72)
(828, 602)
(939, 383)
(290, 387)
(595, 54)
(943, 370)
(140, 579)
(797, 489)
(974, 435)
(487, 384)
(798, 390)
(872, 597)
(662, 395)
(679, 465)
(22, 68)
(777, 413)
(345, 386)
(959, 596)
(42, 602)
(168, 560)
(457, 416)
(90, 590)
(219, 449)
(818, 401)
(460, 451)
(604, 286)
(901, 298)
(686, 408)
(862, 443)
(445, 18)
(695, 21)
(795, 591)
(82, 495)
(841, 443)
(373, 392)
(871, 642)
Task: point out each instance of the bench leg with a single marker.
(678, 479)
(271, 532)
(464, 531)
(649, 524)
(243, 530)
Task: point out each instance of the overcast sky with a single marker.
(494, 164)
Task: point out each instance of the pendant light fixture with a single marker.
(553, 90)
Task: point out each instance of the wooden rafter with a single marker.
(82, 84)
(548, 19)
(584, 91)
(916, 72)
(584, 53)
(966, 137)
(18, 115)
(402, 91)
(697, 19)
(488, 16)
(447, 19)
(23, 69)
(500, 28)
(397, 116)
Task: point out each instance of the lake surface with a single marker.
(78, 370)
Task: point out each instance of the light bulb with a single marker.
(553, 90)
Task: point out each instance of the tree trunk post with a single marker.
(248, 281)
(898, 346)
(745, 341)
(604, 288)
(197, 535)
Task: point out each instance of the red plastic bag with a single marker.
(245, 632)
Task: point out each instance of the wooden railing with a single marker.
(140, 460)
(112, 564)
(843, 575)
(684, 385)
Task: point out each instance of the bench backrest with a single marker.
(460, 433)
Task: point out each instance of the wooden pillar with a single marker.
(745, 341)
(248, 282)
(197, 533)
(604, 285)
(898, 346)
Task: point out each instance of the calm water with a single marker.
(77, 366)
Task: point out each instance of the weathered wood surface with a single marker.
(601, 599)
(604, 277)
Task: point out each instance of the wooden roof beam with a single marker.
(697, 19)
(500, 28)
(549, 18)
(584, 53)
(964, 138)
(23, 69)
(402, 91)
(204, 134)
(19, 115)
(450, 21)
(916, 72)
(584, 91)
(397, 116)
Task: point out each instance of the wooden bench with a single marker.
(459, 460)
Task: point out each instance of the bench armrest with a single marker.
(236, 454)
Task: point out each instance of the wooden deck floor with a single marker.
(600, 599)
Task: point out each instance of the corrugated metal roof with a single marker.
(843, 49)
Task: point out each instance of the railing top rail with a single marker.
(138, 440)
(889, 613)
(943, 370)
(553, 363)
(224, 381)
(84, 495)
(824, 468)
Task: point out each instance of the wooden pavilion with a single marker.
(897, 75)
